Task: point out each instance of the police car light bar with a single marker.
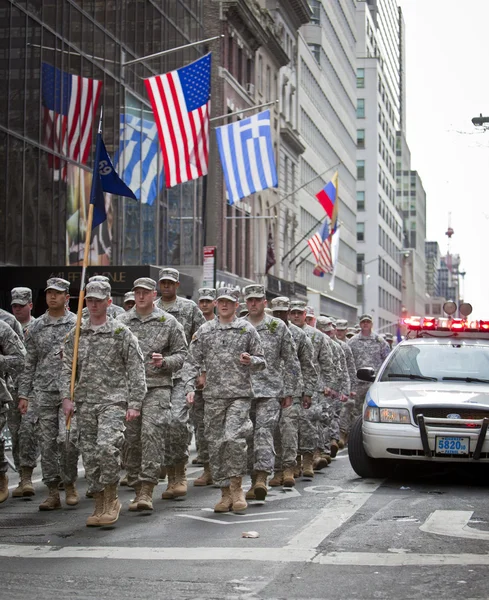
(444, 324)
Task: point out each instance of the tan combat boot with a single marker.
(334, 448)
(298, 466)
(112, 506)
(289, 480)
(319, 461)
(261, 489)
(25, 487)
(133, 505)
(180, 487)
(146, 496)
(307, 467)
(343, 440)
(327, 457)
(168, 493)
(250, 494)
(225, 503)
(52, 502)
(237, 495)
(123, 482)
(3, 487)
(277, 479)
(71, 497)
(206, 477)
(94, 519)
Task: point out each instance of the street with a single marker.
(415, 536)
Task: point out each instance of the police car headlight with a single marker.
(394, 415)
(371, 414)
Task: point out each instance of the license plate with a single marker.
(452, 445)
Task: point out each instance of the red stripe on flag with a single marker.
(166, 162)
(181, 132)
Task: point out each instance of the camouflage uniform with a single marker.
(8, 318)
(110, 379)
(145, 436)
(216, 347)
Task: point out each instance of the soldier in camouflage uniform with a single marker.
(369, 350)
(164, 348)
(286, 436)
(229, 350)
(6, 317)
(12, 356)
(39, 385)
(109, 390)
(342, 333)
(207, 304)
(23, 430)
(274, 388)
(187, 313)
(129, 301)
(113, 311)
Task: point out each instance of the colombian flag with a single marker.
(328, 198)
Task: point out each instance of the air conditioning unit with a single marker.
(250, 89)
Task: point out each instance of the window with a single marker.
(316, 52)
(360, 259)
(360, 138)
(260, 74)
(360, 108)
(268, 84)
(360, 78)
(315, 6)
(360, 169)
(360, 201)
(359, 294)
(360, 232)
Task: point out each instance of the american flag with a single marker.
(181, 106)
(69, 105)
(320, 245)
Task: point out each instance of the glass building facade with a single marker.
(44, 194)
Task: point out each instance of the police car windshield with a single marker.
(439, 362)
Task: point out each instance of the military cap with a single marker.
(254, 290)
(324, 324)
(146, 283)
(129, 297)
(98, 289)
(309, 311)
(297, 305)
(227, 293)
(282, 303)
(350, 334)
(366, 317)
(170, 274)
(389, 337)
(341, 324)
(58, 284)
(99, 278)
(206, 293)
(21, 295)
(243, 309)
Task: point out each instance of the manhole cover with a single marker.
(28, 522)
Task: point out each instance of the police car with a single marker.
(429, 401)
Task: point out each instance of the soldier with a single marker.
(229, 350)
(12, 356)
(39, 385)
(286, 436)
(341, 337)
(207, 304)
(164, 349)
(369, 350)
(110, 386)
(242, 310)
(113, 311)
(273, 388)
(350, 332)
(6, 317)
(129, 301)
(389, 338)
(23, 431)
(187, 313)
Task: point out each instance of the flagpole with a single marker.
(171, 50)
(81, 297)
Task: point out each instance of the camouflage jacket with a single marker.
(158, 332)
(323, 358)
(282, 374)
(340, 359)
(12, 321)
(217, 347)
(308, 382)
(44, 345)
(369, 350)
(110, 366)
(12, 357)
(350, 364)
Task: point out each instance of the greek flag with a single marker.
(137, 158)
(247, 158)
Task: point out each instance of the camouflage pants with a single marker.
(3, 422)
(57, 463)
(265, 415)
(145, 437)
(308, 431)
(353, 408)
(177, 437)
(101, 428)
(23, 430)
(197, 413)
(227, 426)
(286, 436)
(334, 426)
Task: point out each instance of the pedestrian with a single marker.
(229, 350)
(109, 390)
(164, 349)
(188, 314)
(273, 388)
(39, 391)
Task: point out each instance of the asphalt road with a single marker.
(424, 534)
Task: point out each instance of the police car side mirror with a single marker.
(366, 374)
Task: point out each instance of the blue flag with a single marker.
(398, 334)
(105, 179)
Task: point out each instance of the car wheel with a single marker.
(361, 462)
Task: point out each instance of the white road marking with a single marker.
(218, 522)
(453, 523)
(384, 559)
(282, 495)
(323, 489)
(230, 514)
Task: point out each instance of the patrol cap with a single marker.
(206, 293)
(298, 305)
(129, 297)
(254, 290)
(21, 295)
(58, 284)
(282, 303)
(389, 337)
(324, 324)
(309, 311)
(169, 274)
(146, 283)
(98, 289)
(341, 324)
(99, 278)
(243, 309)
(366, 317)
(227, 293)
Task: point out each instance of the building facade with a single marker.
(433, 261)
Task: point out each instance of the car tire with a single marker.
(361, 462)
